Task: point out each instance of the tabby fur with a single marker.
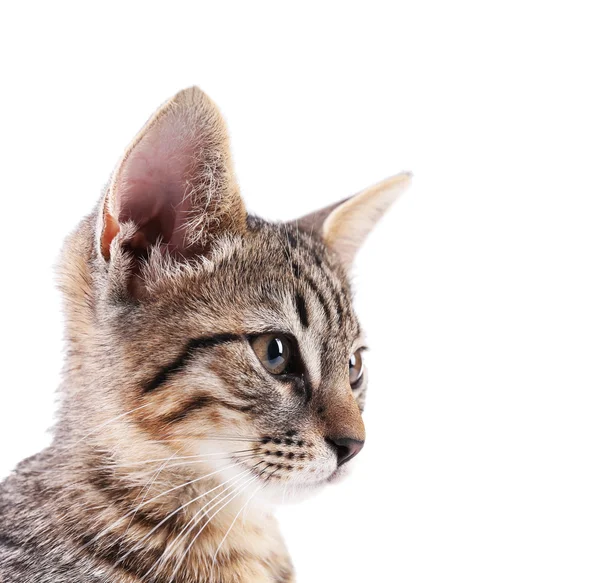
(173, 442)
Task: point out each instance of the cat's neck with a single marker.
(172, 527)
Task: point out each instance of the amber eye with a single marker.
(275, 351)
(356, 368)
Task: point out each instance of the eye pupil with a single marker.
(275, 352)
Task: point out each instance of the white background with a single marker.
(480, 290)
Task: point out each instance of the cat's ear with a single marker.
(175, 185)
(344, 226)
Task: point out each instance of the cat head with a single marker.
(202, 334)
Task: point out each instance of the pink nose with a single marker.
(345, 448)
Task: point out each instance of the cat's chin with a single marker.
(275, 494)
(339, 474)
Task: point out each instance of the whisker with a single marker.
(213, 500)
(198, 458)
(232, 523)
(178, 509)
(235, 493)
(237, 457)
(227, 438)
(145, 493)
(192, 523)
(206, 438)
(178, 487)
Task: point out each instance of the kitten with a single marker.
(214, 361)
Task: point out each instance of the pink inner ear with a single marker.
(153, 182)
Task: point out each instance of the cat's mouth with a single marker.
(288, 462)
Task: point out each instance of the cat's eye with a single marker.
(275, 352)
(355, 366)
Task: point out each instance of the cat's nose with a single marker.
(346, 448)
